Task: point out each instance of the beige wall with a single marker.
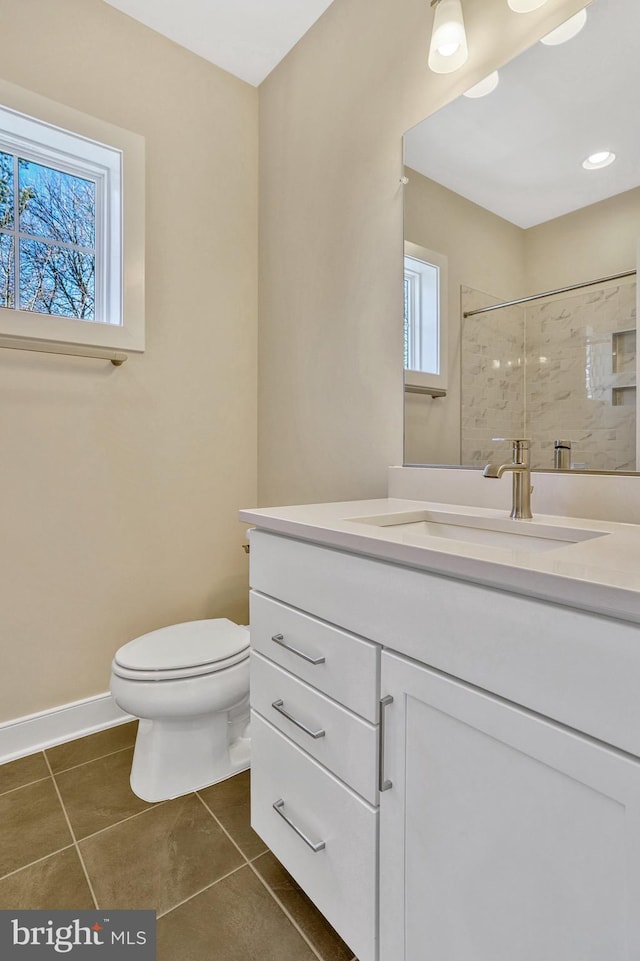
(332, 115)
(119, 488)
(484, 252)
(594, 242)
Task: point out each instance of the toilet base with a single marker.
(180, 755)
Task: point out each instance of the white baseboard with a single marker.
(35, 732)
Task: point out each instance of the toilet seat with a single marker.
(191, 649)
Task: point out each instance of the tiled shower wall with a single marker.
(563, 368)
(492, 379)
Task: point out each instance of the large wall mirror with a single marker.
(496, 189)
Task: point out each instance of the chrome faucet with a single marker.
(521, 507)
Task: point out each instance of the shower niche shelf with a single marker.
(623, 363)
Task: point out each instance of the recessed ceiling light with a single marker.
(597, 160)
(486, 86)
(525, 6)
(567, 30)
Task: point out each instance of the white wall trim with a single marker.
(35, 732)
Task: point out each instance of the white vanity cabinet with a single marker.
(314, 770)
(504, 836)
(510, 829)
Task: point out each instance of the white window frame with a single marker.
(432, 345)
(56, 136)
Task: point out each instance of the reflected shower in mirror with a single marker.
(497, 188)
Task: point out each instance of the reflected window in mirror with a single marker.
(425, 287)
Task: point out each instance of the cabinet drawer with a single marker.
(348, 746)
(578, 668)
(341, 877)
(349, 671)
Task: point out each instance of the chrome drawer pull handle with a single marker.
(314, 845)
(383, 783)
(277, 705)
(279, 639)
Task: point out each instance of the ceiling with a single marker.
(518, 152)
(246, 37)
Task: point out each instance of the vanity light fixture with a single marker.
(485, 87)
(448, 49)
(567, 30)
(596, 161)
(525, 6)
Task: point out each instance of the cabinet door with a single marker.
(504, 837)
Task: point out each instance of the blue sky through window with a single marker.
(56, 220)
(56, 205)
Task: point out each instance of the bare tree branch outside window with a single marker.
(6, 240)
(55, 223)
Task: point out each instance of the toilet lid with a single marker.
(193, 647)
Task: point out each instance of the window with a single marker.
(425, 287)
(64, 227)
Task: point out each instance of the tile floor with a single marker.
(74, 836)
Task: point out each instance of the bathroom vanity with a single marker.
(446, 727)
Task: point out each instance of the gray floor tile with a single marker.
(97, 795)
(327, 943)
(235, 920)
(92, 746)
(57, 883)
(160, 858)
(32, 825)
(23, 771)
(231, 803)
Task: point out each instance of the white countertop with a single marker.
(601, 574)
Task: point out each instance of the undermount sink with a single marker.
(417, 526)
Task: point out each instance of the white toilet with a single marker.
(189, 685)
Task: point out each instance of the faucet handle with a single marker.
(520, 448)
(522, 441)
(562, 452)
